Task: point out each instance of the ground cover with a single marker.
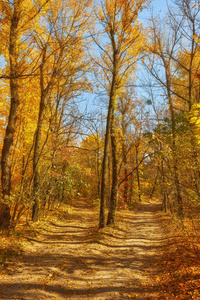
(67, 257)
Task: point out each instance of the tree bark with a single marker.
(37, 147)
(164, 191)
(154, 185)
(110, 132)
(124, 154)
(137, 172)
(104, 170)
(6, 159)
(114, 191)
(126, 182)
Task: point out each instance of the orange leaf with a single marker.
(197, 75)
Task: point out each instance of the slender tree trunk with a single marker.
(98, 171)
(109, 184)
(124, 158)
(6, 159)
(104, 170)
(113, 101)
(138, 174)
(164, 203)
(114, 191)
(131, 180)
(154, 185)
(178, 188)
(126, 180)
(37, 147)
(19, 198)
(109, 132)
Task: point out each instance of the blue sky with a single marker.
(159, 4)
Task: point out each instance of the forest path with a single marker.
(71, 259)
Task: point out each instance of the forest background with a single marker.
(140, 138)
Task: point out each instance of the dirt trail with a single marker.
(70, 259)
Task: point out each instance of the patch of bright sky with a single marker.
(160, 5)
(2, 61)
(157, 7)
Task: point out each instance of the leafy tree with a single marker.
(15, 18)
(49, 68)
(118, 22)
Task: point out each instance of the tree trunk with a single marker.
(126, 182)
(114, 191)
(154, 185)
(125, 193)
(6, 159)
(37, 147)
(109, 132)
(138, 175)
(98, 171)
(104, 170)
(164, 203)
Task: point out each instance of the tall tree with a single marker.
(123, 42)
(14, 104)
(17, 17)
(61, 48)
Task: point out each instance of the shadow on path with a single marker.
(75, 261)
